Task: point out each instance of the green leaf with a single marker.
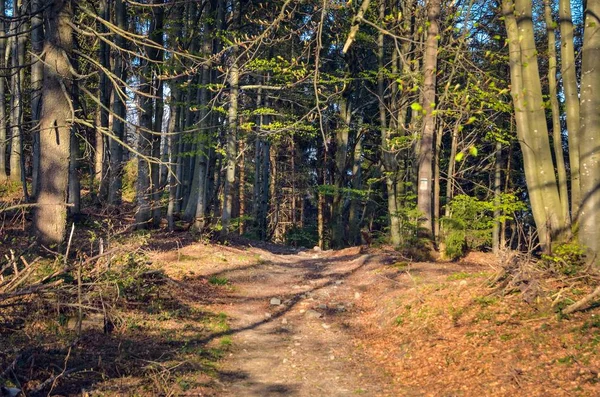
(473, 151)
(416, 107)
(459, 157)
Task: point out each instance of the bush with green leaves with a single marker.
(302, 237)
(471, 221)
(566, 258)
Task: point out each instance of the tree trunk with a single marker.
(386, 155)
(451, 166)
(150, 125)
(426, 146)
(50, 218)
(231, 134)
(496, 245)
(17, 172)
(569, 82)
(555, 108)
(115, 185)
(242, 187)
(530, 119)
(37, 75)
(157, 56)
(196, 208)
(3, 72)
(105, 88)
(589, 221)
(342, 134)
(173, 144)
(354, 213)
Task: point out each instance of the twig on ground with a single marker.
(583, 303)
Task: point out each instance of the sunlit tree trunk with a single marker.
(242, 186)
(173, 146)
(50, 218)
(555, 108)
(115, 185)
(426, 146)
(569, 82)
(530, 119)
(589, 221)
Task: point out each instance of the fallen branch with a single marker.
(583, 303)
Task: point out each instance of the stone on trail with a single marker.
(339, 282)
(326, 326)
(313, 314)
(357, 295)
(322, 306)
(317, 248)
(275, 301)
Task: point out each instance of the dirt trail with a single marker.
(302, 346)
(289, 315)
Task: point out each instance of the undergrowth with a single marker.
(77, 323)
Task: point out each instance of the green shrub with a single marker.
(456, 244)
(567, 259)
(302, 237)
(471, 221)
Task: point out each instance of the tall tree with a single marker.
(589, 221)
(55, 125)
(426, 146)
(3, 40)
(569, 82)
(37, 74)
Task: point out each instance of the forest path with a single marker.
(293, 337)
(289, 321)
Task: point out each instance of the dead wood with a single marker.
(583, 303)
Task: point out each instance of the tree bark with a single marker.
(231, 134)
(426, 147)
(386, 155)
(37, 75)
(589, 221)
(569, 82)
(3, 173)
(50, 218)
(555, 108)
(115, 185)
(196, 207)
(17, 80)
(530, 119)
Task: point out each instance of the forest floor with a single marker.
(254, 319)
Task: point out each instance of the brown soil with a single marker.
(354, 323)
(349, 322)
